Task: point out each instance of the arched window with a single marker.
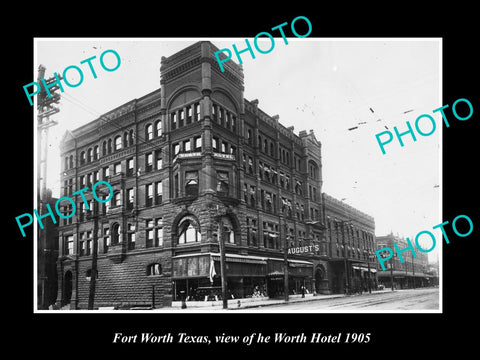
(82, 158)
(96, 152)
(109, 146)
(115, 235)
(149, 132)
(130, 137)
(158, 128)
(125, 139)
(265, 146)
(89, 155)
(118, 143)
(188, 230)
(104, 148)
(71, 161)
(154, 269)
(313, 170)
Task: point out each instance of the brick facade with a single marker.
(178, 160)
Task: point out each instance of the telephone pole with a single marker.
(45, 109)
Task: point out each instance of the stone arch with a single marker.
(183, 95)
(320, 277)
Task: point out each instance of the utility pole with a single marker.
(45, 108)
(93, 270)
(222, 263)
(285, 263)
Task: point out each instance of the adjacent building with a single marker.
(413, 272)
(190, 163)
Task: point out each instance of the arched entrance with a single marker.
(67, 287)
(319, 278)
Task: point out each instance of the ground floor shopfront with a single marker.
(404, 280)
(349, 276)
(196, 277)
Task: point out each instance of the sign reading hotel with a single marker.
(304, 249)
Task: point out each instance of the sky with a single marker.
(345, 90)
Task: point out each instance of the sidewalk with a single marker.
(256, 302)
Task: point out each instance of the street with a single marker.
(410, 299)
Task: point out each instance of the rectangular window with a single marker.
(148, 162)
(131, 236)
(130, 167)
(176, 149)
(189, 114)
(196, 111)
(69, 245)
(173, 117)
(83, 245)
(117, 168)
(82, 180)
(158, 192)
(106, 172)
(159, 232)
(187, 146)
(130, 199)
(149, 195)
(222, 183)
(159, 159)
(215, 144)
(198, 143)
(149, 233)
(224, 147)
(181, 118)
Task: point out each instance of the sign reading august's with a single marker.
(304, 249)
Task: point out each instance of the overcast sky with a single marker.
(327, 85)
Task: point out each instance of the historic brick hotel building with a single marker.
(181, 158)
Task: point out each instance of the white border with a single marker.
(231, 311)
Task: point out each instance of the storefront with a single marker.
(196, 277)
